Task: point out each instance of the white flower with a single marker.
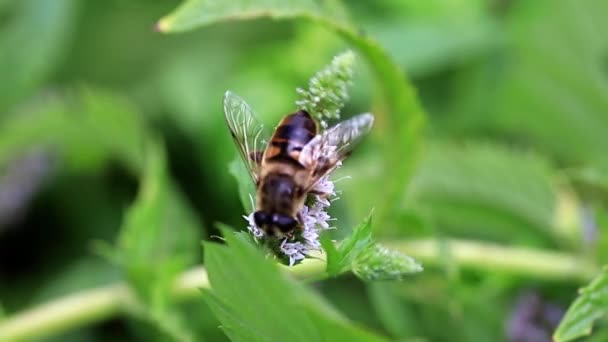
(253, 228)
(325, 186)
(311, 236)
(295, 251)
(315, 219)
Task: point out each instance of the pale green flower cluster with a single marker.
(380, 263)
(328, 89)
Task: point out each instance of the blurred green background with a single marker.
(514, 150)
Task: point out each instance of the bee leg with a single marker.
(256, 156)
(300, 219)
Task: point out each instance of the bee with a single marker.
(286, 168)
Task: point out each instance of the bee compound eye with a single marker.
(285, 223)
(261, 218)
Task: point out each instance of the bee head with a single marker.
(274, 224)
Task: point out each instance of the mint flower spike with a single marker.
(326, 94)
(328, 89)
(381, 263)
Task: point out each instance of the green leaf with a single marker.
(86, 128)
(369, 261)
(159, 227)
(556, 70)
(400, 115)
(591, 304)
(254, 301)
(195, 13)
(396, 317)
(492, 190)
(245, 184)
(159, 239)
(31, 43)
(441, 44)
(84, 273)
(340, 259)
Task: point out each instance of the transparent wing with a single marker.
(326, 151)
(248, 133)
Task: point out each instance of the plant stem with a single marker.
(539, 264)
(98, 304)
(89, 306)
(65, 313)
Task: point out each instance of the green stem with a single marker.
(94, 305)
(98, 304)
(65, 313)
(539, 264)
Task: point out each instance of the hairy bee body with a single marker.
(283, 179)
(288, 166)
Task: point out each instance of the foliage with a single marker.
(588, 307)
(255, 302)
(156, 242)
(497, 189)
(570, 81)
(365, 258)
(115, 163)
(406, 117)
(106, 127)
(41, 30)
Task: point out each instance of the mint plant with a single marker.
(328, 90)
(501, 190)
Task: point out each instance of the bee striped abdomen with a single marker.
(290, 136)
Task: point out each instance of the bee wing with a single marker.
(326, 151)
(248, 133)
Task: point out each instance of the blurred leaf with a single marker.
(159, 239)
(160, 227)
(405, 118)
(427, 37)
(439, 44)
(26, 177)
(490, 190)
(366, 259)
(194, 13)
(591, 304)
(396, 317)
(254, 301)
(86, 128)
(555, 92)
(31, 43)
(85, 273)
(412, 309)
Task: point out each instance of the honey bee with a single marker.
(286, 168)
